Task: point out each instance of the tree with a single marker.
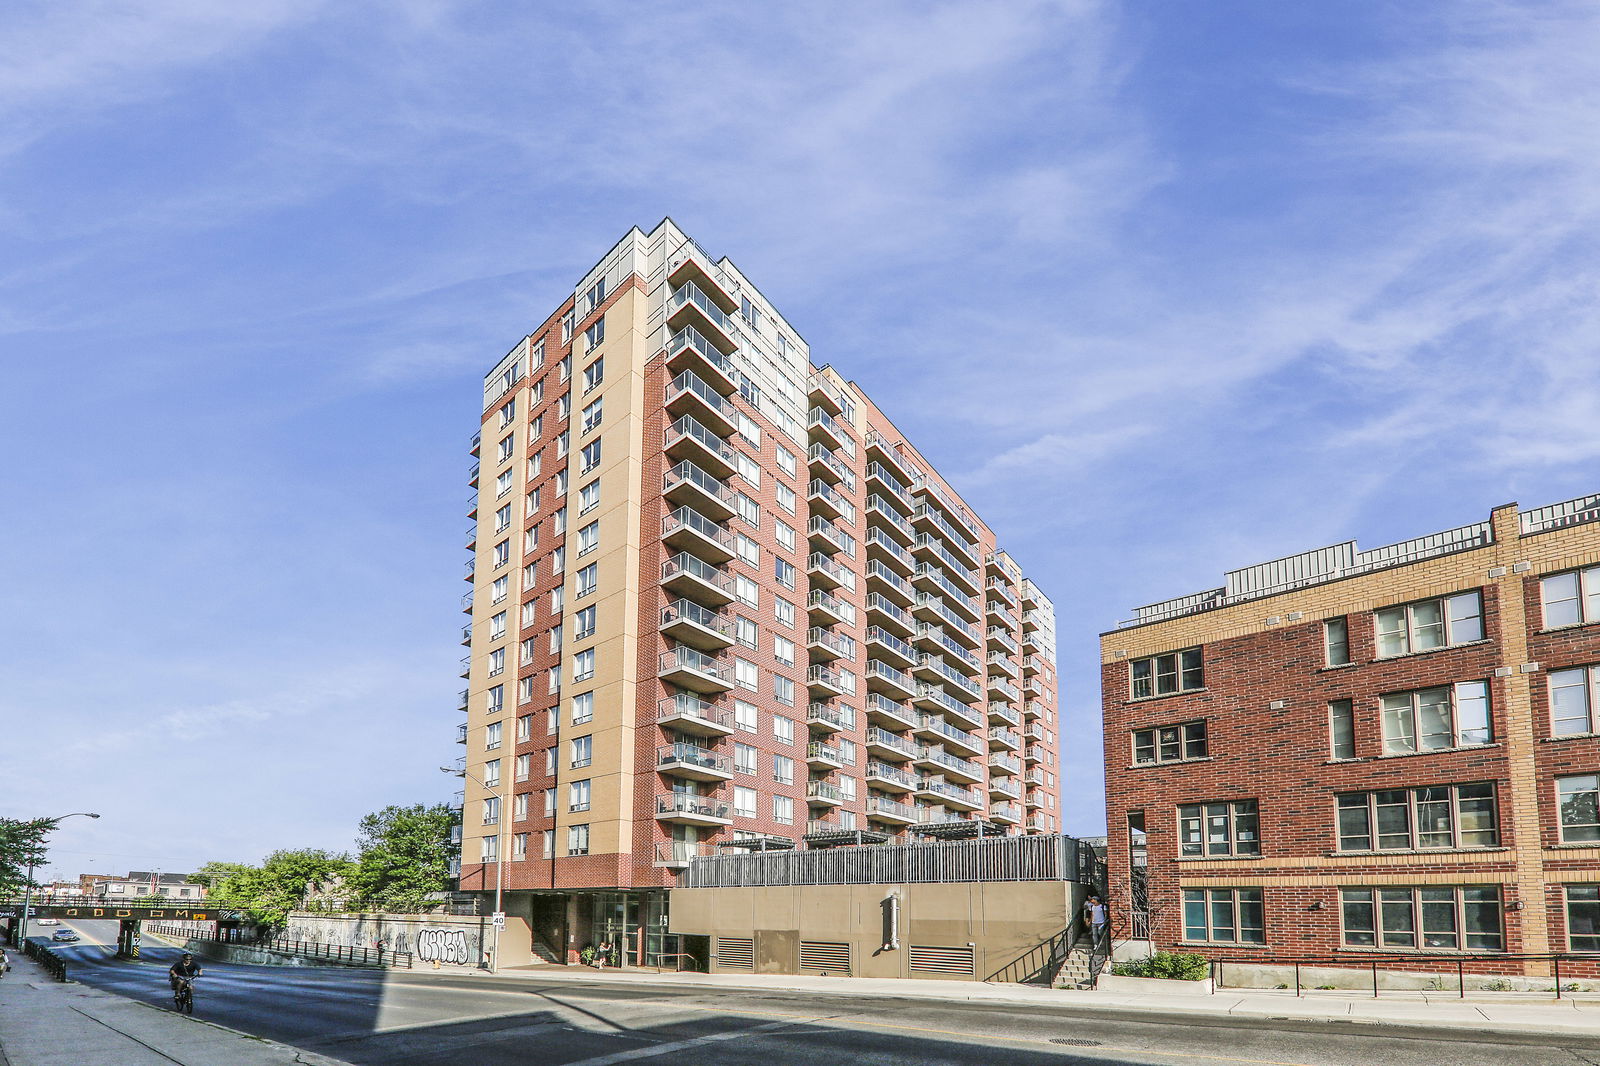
(404, 855)
(213, 874)
(21, 846)
(267, 893)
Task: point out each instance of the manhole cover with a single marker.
(1074, 1041)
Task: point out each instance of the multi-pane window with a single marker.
(783, 810)
(500, 589)
(785, 533)
(590, 457)
(582, 708)
(1578, 800)
(749, 430)
(1575, 701)
(783, 769)
(592, 414)
(577, 840)
(519, 847)
(783, 611)
(588, 578)
(508, 412)
(783, 650)
(1223, 915)
(547, 840)
(1336, 641)
(502, 553)
(783, 690)
(525, 728)
(746, 716)
(508, 444)
(502, 483)
(747, 508)
(549, 802)
(785, 497)
(787, 461)
(784, 572)
(578, 795)
(497, 626)
(744, 631)
(747, 550)
(744, 758)
(1583, 917)
(495, 699)
(582, 751)
(744, 801)
(583, 665)
(1159, 675)
(491, 810)
(783, 728)
(588, 538)
(1435, 719)
(584, 622)
(524, 766)
(519, 807)
(749, 469)
(1412, 819)
(1169, 743)
(1341, 730)
(589, 497)
(595, 372)
(1460, 918)
(745, 675)
(1213, 829)
(1571, 598)
(1429, 624)
(489, 849)
(746, 591)
(491, 736)
(502, 517)
(497, 662)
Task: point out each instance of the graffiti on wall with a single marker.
(442, 945)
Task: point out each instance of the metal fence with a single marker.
(53, 964)
(1030, 858)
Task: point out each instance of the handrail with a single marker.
(1371, 959)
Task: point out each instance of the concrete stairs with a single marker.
(544, 953)
(1080, 967)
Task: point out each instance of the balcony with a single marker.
(964, 799)
(690, 306)
(1005, 814)
(461, 701)
(930, 520)
(1034, 621)
(1000, 688)
(685, 575)
(690, 350)
(881, 677)
(1002, 763)
(1034, 754)
(699, 627)
(689, 263)
(889, 453)
(1033, 709)
(472, 570)
(692, 669)
(883, 548)
(1000, 640)
(472, 475)
(686, 529)
(826, 430)
(934, 667)
(690, 714)
(826, 396)
(1032, 665)
(827, 574)
(1034, 778)
(1004, 739)
(827, 717)
(827, 465)
(693, 762)
(889, 648)
(1034, 687)
(829, 501)
(1034, 731)
(1000, 711)
(938, 761)
(935, 698)
(688, 485)
(466, 666)
(466, 635)
(827, 680)
(884, 613)
(890, 778)
(825, 645)
(1000, 615)
(960, 522)
(688, 394)
(882, 709)
(886, 745)
(890, 484)
(822, 794)
(882, 513)
(466, 601)
(883, 809)
(885, 581)
(960, 741)
(827, 537)
(686, 809)
(458, 801)
(1031, 600)
(1038, 824)
(1000, 590)
(933, 551)
(826, 607)
(1005, 786)
(932, 578)
(1000, 664)
(476, 444)
(461, 733)
(688, 439)
(1034, 643)
(821, 756)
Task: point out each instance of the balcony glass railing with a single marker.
(837, 716)
(683, 803)
(818, 563)
(684, 563)
(690, 293)
(683, 658)
(940, 788)
(687, 426)
(821, 527)
(1010, 690)
(837, 643)
(821, 490)
(818, 750)
(823, 420)
(878, 603)
(890, 482)
(945, 759)
(687, 473)
(882, 573)
(877, 505)
(689, 381)
(689, 518)
(688, 611)
(878, 668)
(952, 535)
(692, 755)
(828, 602)
(823, 456)
(885, 739)
(689, 337)
(822, 675)
(935, 574)
(950, 675)
(960, 569)
(685, 705)
(944, 728)
(1002, 638)
(950, 505)
(892, 642)
(882, 806)
(877, 538)
(954, 621)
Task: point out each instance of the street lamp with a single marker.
(502, 815)
(27, 891)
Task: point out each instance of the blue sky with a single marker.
(1167, 289)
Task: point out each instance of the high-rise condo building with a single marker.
(719, 601)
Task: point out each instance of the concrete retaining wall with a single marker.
(445, 939)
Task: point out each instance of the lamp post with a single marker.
(27, 890)
(502, 815)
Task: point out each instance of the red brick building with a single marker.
(1348, 752)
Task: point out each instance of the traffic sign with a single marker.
(498, 919)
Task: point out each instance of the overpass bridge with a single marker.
(129, 912)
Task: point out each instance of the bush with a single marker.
(1170, 965)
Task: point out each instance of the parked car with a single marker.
(47, 921)
(64, 935)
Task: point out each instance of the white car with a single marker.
(47, 921)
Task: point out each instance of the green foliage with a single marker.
(1171, 965)
(404, 855)
(21, 844)
(267, 893)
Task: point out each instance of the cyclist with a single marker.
(185, 969)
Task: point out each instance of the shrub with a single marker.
(1170, 965)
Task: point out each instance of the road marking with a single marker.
(673, 1047)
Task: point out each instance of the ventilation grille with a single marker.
(824, 957)
(941, 960)
(738, 952)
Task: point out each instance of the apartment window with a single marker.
(1435, 719)
(744, 801)
(785, 532)
(491, 736)
(745, 675)
(1575, 701)
(785, 497)
(749, 430)
(502, 553)
(550, 762)
(748, 550)
(589, 497)
(1159, 675)
(783, 650)
(783, 728)
(747, 508)
(596, 294)
(1571, 598)
(530, 609)
(561, 483)
(577, 840)
(547, 840)
(1583, 917)
(594, 335)
(564, 438)
(783, 769)
(500, 589)
(1578, 799)
(495, 699)
(1445, 817)
(566, 335)
(497, 662)
(508, 412)
(590, 456)
(489, 848)
(507, 446)
(582, 708)
(1341, 730)
(588, 538)
(744, 631)
(535, 431)
(1336, 641)
(519, 847)
(746, 716)
(787, 461)
(491, 773)
(783, 811)
(744, 758)
(847, 819)
(582, 751)
(558, 596)
(491, 810)
(549, 803)
(1429, 624)
(578, 796)
(592, 414)
(524, 766)
(585, 621)
(502, 484)
(583, 665)
(555, 682)
(588, 577)
(783, 611)
(783, 690)
(524, 728)
(497, 626)
(784, 572)
(519, 807)
(1210, 829)
(525, 688)
(1223, 915)
(847, 748)
(558, 560)
(748, 468)
(1170, 743)
(746, 591)
(595, 372)
(1466, 917)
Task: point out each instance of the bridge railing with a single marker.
(53, 964)
(339, 954)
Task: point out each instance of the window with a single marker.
(592, 415)
(1467, 917)
(524, 766)
(589, 497)
(495, 699)
(508, 412)
(1414, 819)
(596, 294)
(578, 796)
(744, 758)
(1583, 917)
(1223, 915)
(558, 522)
(783, 650)
(783, 728)
(497, 626)
(588, 578)
(557, 597)
(783, 812)
(588, 538)
(745, 716)
(1219, 829)
(1159, 675)
(1436, 719)
(519, 847)
(595, 372)
(783, 611)
(783, 690)
(1169, 743)
(502, 553)
(500, 588)
(549, 802)
(582, 751)
(783, 769)
(744, 801)
(785, 533)
(502, 484)
(1578, 799)
(745, 675)
(584, 621)
(787, 462)
(583, 665)
(785, 496)
(507, 446)
(748, 468)
(748, 509)
(583, 708)
(1336, 641)
(590, 456)
(563, 440)
(491, 810)
(519, 807)
(1341, 730)
(748, 550)
(1430, 624)
(489, 848)
(749, 430)
(566, 335)
(550, 764)
(577, 840)
(847, 749)
(535, 431)
(491, 736)
(744, 631)
(1575, 701)
(847, 819)
(558, 560)
(1571, 598)
(547, 840)
(784, 572)
(746, 591)
(525, 728)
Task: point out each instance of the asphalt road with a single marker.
(431, 1019)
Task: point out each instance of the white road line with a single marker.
(675, 1046)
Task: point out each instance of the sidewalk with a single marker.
(1506, 1012)
(46, 1023)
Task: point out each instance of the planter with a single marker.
(1153, 986)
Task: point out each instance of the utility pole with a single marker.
(503, 815)
(27, 891)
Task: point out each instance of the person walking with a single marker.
(1094, 915)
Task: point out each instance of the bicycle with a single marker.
(183, 995)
